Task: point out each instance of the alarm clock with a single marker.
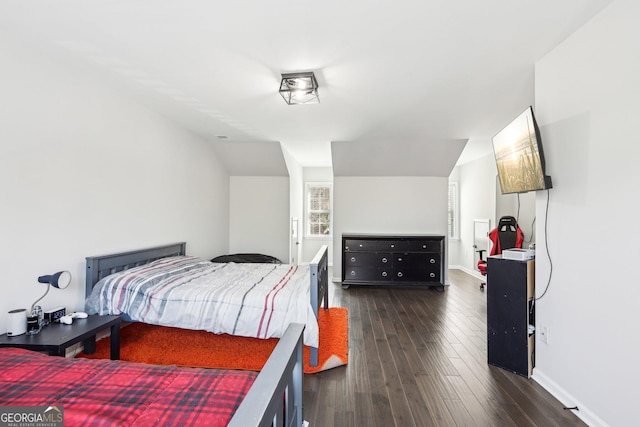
(55, 314)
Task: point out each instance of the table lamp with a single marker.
(58, 280)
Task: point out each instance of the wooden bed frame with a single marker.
(275, 398)
(103, 265)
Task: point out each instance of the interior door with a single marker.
(481, 242)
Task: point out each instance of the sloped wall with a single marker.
(85, 172)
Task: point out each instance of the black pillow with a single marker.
(243, 258)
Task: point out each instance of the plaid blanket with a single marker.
(109, 393)
(251, 300)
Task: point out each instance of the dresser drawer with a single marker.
(412, 275)
(427, 260)
(354, 245)
(424, 245)
(370, 259)
(367, 274)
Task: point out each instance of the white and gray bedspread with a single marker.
(253, 300)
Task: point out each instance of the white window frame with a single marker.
(453, 212)
(307, 210)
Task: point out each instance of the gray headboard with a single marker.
(103, 265)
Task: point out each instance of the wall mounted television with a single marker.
(519, 156)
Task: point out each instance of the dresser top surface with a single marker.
(390, 236)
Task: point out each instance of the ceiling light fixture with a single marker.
(299, 88)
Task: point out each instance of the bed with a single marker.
(256, 300)
(113, 392)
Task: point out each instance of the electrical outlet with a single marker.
(544, 334)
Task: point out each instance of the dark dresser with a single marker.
(396, 260)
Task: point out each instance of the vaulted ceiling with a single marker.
(400, 81)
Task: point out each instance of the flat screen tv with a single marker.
(519, 156)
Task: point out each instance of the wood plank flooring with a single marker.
(418, 357)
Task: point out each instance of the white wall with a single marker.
(85, 172)
(480, 198)
(259, 215)
(476, 187)
(520, 206)
(587, 92)
(401, 205)
(454, 248)
(296, 204)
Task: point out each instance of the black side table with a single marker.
(57, 337)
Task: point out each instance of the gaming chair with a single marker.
(506, 235)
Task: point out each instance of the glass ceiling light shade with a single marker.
(299, 88)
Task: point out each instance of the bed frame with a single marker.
(275, 398)
(101, 266)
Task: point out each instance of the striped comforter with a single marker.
(253, 300)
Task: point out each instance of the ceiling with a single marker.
(399, 80)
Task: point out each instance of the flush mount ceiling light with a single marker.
(299, 88)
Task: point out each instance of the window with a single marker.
(318, 209)
(454, 213)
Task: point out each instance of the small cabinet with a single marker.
(392, 260)
(511, 314)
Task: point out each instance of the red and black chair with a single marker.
(506, 235)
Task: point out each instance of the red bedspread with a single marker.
(107, 393)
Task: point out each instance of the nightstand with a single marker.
(57, 337)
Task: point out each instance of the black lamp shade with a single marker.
(59, 280)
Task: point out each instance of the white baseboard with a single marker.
(548, 384)
(567, 399)
(473, 273)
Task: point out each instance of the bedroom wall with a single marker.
(259, 215)
(477, 201)
(587, 92)
(480, 198)
(84, 172)
(402, 205)
(454, 248)
(296, 204)
(522, 207)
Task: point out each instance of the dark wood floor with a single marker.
(418, 357)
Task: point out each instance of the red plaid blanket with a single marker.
(96, 392)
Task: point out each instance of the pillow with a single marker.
(247, 258)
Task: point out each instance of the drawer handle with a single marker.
(361, 245)
(353, 273)
(432, 275)
(384, 274)
(399, 259)
(424, 246)
(353, 259)
(393, 246)
(400, 274)
(385, 260)
(432, 261)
